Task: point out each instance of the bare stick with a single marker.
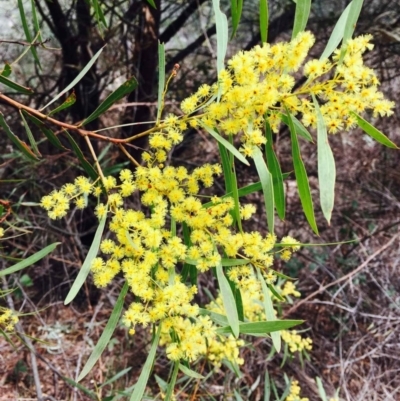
(344, 278)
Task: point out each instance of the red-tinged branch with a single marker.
(71, 127)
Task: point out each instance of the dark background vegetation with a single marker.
(354, 322)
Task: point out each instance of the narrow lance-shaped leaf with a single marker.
(27, 32)
(117, 376)
(262, 328)
(140, 386)
(85, 390)
(226, 167)
(276, 172)
(46, 131)
(228, 300)
(21, 145)
(350, 25)
(236, 10)
(6, 72)
(374, 133)
(301, 16)
(171, 383)
(354, 13)
(161, 79)
(237, 396)
(221, 23)
(118, 94)
(69, 101)
(238, 298)
(190, 373)
(187, 241)
(267, 186)
(107, 333)
(267, 387)
(226, 144)
(90, 171)
(326, 166)
(234, 16)
(250, 189)
(269, 311)
(321, 389)
(224, 262)
(13, 85)
(230, 171)
(264, 17)
(275, 293)
(233, 262)
(337, 34)
(302, 179)
(29, 260)
(85, 269)
(299, 127)
(30, 135)
(35, 21)
(238, 301)
(99, 13)
(77, 79)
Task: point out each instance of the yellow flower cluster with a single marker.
(353, 88)
(1, 232)
(296, 342)
(147, 253)
(290, 245)
(58, 202)
(258, 85)
(289, 289)
(164, 138)
(294, 393)
(8, 319)
(190, 339)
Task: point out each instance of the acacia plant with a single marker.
(181, 231)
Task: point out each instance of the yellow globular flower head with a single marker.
(81, 202)
(288, 289)
(8, 319)
(101, 210)
(247, 211)
(295, 341)
(83, 185)
(294, 392)
(57, 203)
(290, 245)
(189, 104)
(2, 231)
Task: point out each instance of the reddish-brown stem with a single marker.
(67, 126)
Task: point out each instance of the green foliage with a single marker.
(179, 237)
(302, 178)
(85, 269)
(29, 261)
(326, 167)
